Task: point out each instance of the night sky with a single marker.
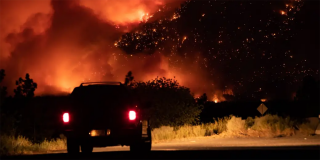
(252, 47)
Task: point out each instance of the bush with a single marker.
(169, 133)
(236, 126)
(220, 125)
(249, 122)
(306, 129)
(273, 126)
(10, 145)
(266, 126)
(168, 103)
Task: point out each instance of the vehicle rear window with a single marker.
(100, 92)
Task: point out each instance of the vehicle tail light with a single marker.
(65, 117)
(132, 115)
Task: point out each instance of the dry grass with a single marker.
(231, 126)
(10, 145)
(306, 128)
(272, 126)
(166, 133)
(236, 127)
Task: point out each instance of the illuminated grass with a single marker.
(10, 145)
(231, 126)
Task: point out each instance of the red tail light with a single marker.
(132, 115)
(65, 117)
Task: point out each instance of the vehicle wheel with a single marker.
(73, 146)
(141, 146)
(86, 148)
(134, 147)
(146, 146)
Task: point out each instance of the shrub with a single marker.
(220, 124)
(10, 145)
(273, 126)
(169, 133)
(306, 129)
(249, 122)
(169, 103)
(236, 126)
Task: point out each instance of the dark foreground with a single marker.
(287, 148)
(301, 152)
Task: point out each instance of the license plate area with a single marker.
(99, 133)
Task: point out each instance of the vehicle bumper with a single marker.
(115, 137)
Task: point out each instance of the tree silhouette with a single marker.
(2, 75)
(25, 87)
(129, 79)
(3, 90)
(165, 102)
(202, 99)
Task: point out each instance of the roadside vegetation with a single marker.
(227, 127)
(232, 126)
(28, 123)
(11, 145)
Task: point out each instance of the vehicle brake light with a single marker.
(132, 115)
(65, 117)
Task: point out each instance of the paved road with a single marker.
(207, 148)
(207, 143)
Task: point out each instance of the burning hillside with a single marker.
(205, 45)
(63, 43)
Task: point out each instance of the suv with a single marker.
(104, 114)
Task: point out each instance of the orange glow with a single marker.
(64, 51)
(228, 92)
(283, 12)
(263, 100)
(184, 38)
(123, 11)
(93, 133)
(215, 99)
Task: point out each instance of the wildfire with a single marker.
(215, 99)
(145, 17)
(184, 38)
(283, 12)
(175, 16)
(123, 12)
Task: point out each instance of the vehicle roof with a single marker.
(97, 87)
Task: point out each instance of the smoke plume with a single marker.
(63, 43)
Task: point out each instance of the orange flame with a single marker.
(63, 52)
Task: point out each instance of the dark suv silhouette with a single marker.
(103, 114)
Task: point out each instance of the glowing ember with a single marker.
(215, 99)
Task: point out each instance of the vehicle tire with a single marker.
(141, 147)
(146, 146)
(134, 147)
(86, 148)
(73, 146)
